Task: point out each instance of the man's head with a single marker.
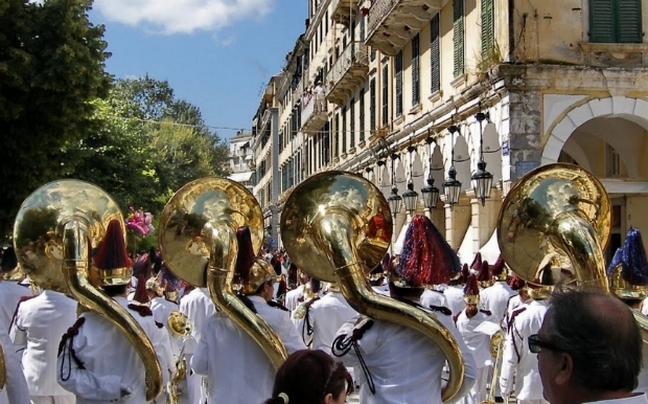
(589, 348)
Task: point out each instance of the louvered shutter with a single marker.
(435, 54)
(458, 36)
(487, 27)
(628, 21)
(415, 70)
(398, 62)
(601, 21)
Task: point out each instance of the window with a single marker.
(435, 54)
(458, 36)
(416, 92)
(615, 21)
(361, 114)
(372, 104)
(326, 144)
(362, 28)
(336, 142)
(398, 66)
(352, 124)
(487, 29)
(344, 129)
(385, 94)
(612, 162)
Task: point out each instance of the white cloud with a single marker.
(224, 42)
(182, 16)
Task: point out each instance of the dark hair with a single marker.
(471, 311)
(600, 334)
(306, 377)
(9, 260)
(114, 290)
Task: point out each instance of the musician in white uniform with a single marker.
(454, 293)
(519, 365)
(495, 297)
(237, 370)
(403, 365)
(38, 326)
(96, 361)
(15, 390)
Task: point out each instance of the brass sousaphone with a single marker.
(336, 226)
(558, 210)
(197, 238)
(55, 231)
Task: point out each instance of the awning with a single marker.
(241, 177)
(490, 251)
(466, 251)
(400, 241)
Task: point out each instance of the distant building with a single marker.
(240, 159)
(560, 81)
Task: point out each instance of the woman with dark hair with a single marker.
(311, 377)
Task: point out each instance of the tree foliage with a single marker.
(51, 67)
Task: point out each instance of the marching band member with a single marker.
(495, 297)
(38, 326)
(401, 364)
(628, 274)
(96, 361)
(454, 293)
(226, 354)
(295, 296)
(16, 390)
(476, 338)
(519, 365)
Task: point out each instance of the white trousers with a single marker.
(66, 399)
(196, 388)
(478, 392)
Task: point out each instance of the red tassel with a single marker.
(484, 273)
(112, 252)
(471, 289)
(477, 262)
(498, 267)
(141, 295)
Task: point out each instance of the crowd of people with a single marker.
(560, 346)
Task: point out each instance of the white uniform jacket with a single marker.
(237, 369)
(517, 360)
(455, 298)
(161, 309)
(405, 365)
(198, 307)
(477, 342)
(433, 297)
(325, 316)
(638, 399)
(39, 324)
(10, 294)
(495, 299)
(293, 297)
(106, 363)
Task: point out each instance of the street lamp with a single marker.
(394, 199)
(482, 180)
(410, 197)
(430, 193)
(451, 186)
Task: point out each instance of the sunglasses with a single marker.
(536, 345)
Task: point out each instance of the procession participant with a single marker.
(226, 354)
(96, 361)
(589, 350)
(311, 377)
(198, 307)
(495, 297)
(140, 309)
(470, 324)
(517, 285)
(454, 293)
(16, 390)
(37, 328)
(519, 364)
(401, 364)
(293, 297)
(628, 275)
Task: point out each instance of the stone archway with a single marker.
(632, 109)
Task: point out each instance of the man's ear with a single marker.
(565, 368)
(328, 399)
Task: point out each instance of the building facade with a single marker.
(374, 86)
(240, 158)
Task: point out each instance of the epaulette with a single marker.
(456, 316)
(276, 305)
(514, 314)
(159, 325)
(487, 312)
(143, 311)
(15, 313)
(440, 309)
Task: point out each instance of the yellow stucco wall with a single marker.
(637, 215)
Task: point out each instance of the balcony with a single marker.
(392, 23)
(344, 11)
(313, 113)
(348, 73)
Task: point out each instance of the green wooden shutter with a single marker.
(435, 54)
(487, 28)
(458, 36)
(398, 65)
(601, 21)
(628, 21)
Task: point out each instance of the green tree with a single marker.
(51, 66)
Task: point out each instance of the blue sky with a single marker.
(216, 54)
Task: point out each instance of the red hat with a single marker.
(115, 268)
(471, 291)
(465, 273)
(141, 296)
(498, 270)
(484, 273)
(477, 262)
(516, 283)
